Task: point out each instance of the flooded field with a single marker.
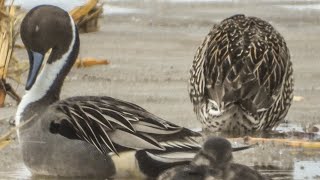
(151, 45)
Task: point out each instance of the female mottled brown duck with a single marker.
(241, 78)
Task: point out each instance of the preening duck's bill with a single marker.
(35, 60)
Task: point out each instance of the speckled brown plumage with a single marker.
(241, 77)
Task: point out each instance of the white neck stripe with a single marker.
(45, 79)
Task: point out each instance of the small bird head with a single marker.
(215, 152)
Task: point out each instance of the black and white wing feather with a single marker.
(112, 125)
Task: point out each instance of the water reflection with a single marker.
(276, 160)
(18, 173)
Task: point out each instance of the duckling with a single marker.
(212, 162)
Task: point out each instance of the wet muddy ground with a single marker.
(151, 45)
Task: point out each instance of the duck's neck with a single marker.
(47, 87)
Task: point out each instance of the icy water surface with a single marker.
(151, 44)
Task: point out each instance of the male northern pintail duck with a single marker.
(241, 78)
(213, 161)
(86, 136)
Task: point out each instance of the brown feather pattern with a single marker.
(242, 62)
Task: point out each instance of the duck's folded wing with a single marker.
(111, 124)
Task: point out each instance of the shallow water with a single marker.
(274, 160)
(151, 45)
